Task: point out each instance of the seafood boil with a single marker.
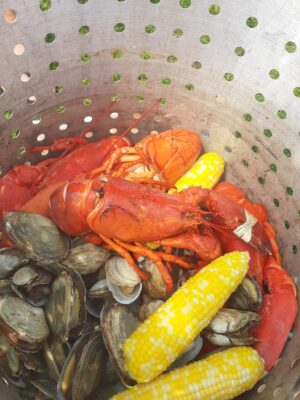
(133, 271)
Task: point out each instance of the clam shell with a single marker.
(148, 309)
(5, 286)
(228, 320)
(117, 324)
(55, 357)
(99, 290)
(94, 307)
(33, 362)
(122, 297)
(110, 374)
(10, 260)
(32, 284)
(46, 387)
(247, 296)
(120, 273)
(37, 236)
(123, 282)
(66, 306)
(24, 276)
(86, 258)
(24, 326)
(229, 340)
(155, 285)
(9, 359)
(83, 368)
(95, 296)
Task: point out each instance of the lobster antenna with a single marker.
(131, 126)
(97, 120)
(100, 116)
(74, 140)
(146, 112)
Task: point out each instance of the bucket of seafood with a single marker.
(149, 200)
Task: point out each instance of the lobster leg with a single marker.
(278, 313)
(125, 254)
(170, 258)
(257, 261)
(203, 242)
(60, 144)
(144, 251)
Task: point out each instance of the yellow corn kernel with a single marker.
(221, 376)
(206, 173)
(162, 337)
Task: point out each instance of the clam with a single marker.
(231, 327)
(95, 296)
(55, 355)
(83, 368)
(32, 284)
(117, 324)
(110, 374)
(5, 286)
(9, 359)
(123, 282)
(66, 306)
(148, 309)
(37, 236)
(99, 290)
(247, 296)
(86, 258)
(24, 325)
(155, 285)
(45, 387)
(10, 260)
(33, 362)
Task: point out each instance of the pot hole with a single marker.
(19, 49)
(88, 119)
(63, 127)
(25, 77)
(10, 16)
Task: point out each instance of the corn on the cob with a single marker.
(161, 338)
(221, 376)
(206, 173)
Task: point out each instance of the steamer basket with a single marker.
(229, 71)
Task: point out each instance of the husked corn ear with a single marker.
(221, 376)
(206, 173)
(162, 337)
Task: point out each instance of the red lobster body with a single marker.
(278, 313)
(172, 152)
(75, 165)
(131, 212)
(82, 160)
(121, 209)
(15, 186)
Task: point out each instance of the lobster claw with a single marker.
(252, 232)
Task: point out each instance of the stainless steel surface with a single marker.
(215, 88)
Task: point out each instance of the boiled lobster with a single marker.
(123, 212)
(157, 160)
(278, 313)
(163, 157)
(16, 186)
(279, 307)
(258, 210)
(77, 163)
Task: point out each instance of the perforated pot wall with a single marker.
(230, 71)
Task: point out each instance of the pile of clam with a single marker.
(66, 308)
